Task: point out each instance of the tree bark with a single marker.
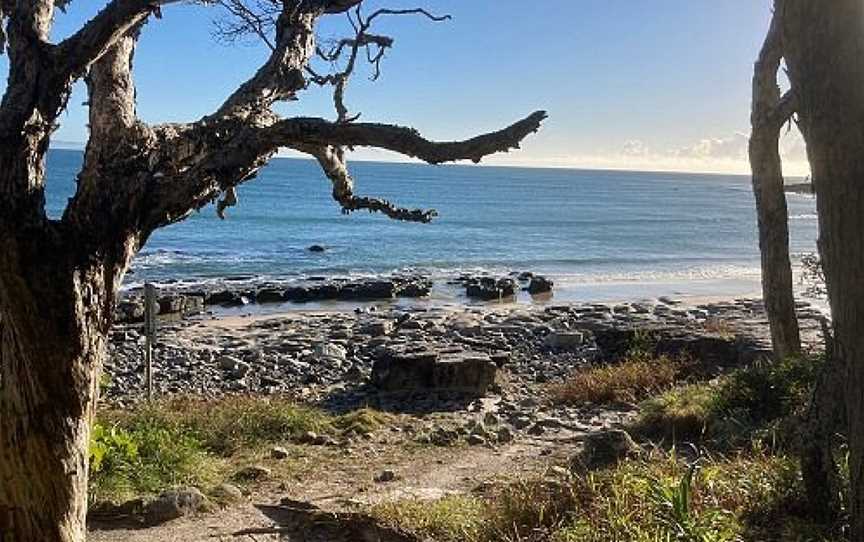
(824, 48)
(769, 112)
(54, 317)
(823, 420)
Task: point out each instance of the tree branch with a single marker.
(332, 162)
(401, 139)
(78, 51)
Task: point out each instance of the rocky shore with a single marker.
(430, 359)
(178, 300)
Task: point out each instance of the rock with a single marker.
(368, 290)
(378, 329)
(331, 351)
(605, 448)
(564, 340)
(476, 440)
(229, 363)
(227, 298)
(227, 493)
(130, 311)
(278, 452)
(171, 304)
(504, 435)
(488, 289)
(174, 504)
(413, 369)
(270, 295)
(385, 476)
(443, 437)
(316, 248)
(253, 472)
(539, 285)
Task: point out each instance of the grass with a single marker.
(189, 442)
(630, 380)
(661, 498)
(732, 408)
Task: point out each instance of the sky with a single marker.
(643, 85)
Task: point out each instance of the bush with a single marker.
(143, 458)
(734, 407)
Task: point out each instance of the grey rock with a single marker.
(174, 504)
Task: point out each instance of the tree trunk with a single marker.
(773, 219)
(54, 318)
(824, 46)
(823, 420)
(769, 113)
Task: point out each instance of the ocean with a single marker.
(598, 234)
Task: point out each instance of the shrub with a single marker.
(734, 407)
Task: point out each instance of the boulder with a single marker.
(368, 290)
(227, 298)
(401, 369)
(316, 248)
(331, 351)
(130, 311)
(270, 295)
(606, 448)
(171, 304)
(174, 504)
(488, 288)
(539, 285)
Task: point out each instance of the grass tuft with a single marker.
(630, 380)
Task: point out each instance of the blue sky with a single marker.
(653, 84)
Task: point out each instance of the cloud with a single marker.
(727, 154)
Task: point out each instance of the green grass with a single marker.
(731, 409)
(189, 442)
(659, 498)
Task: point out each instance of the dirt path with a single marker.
(340, 480)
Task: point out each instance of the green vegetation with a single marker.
(656, 499)
(154, 447)
(734, 408)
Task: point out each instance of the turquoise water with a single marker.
(582, 227)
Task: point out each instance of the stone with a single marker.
(226, 493)
(539, 285)
(443, 437)
(605, 448)
(414, 369)
(174, 504)
(488, 288)
(504, 435)
(564, 340)
(278, 452)
(385, 476)
(476, 440)
(378, 329)
(253, 472)
(316, 248)
(270, 295)
(331, 351)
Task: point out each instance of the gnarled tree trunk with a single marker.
(59, 278)
(824, 48)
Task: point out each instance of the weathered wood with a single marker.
(769, 113)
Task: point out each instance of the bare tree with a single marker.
(822, 44)
(770, 111)
(59, 278)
